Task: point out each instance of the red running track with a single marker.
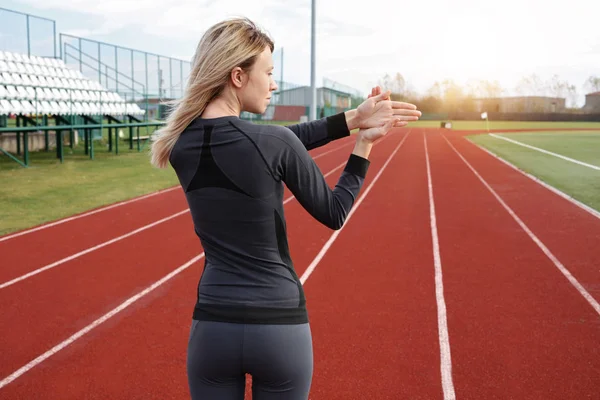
(109, 277)
(517, 327)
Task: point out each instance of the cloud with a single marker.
(426, 41)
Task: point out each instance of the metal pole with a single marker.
(313, 88)
(99, 65)
(116, 72)
(54, 37)
(80, 60)
(28, 37)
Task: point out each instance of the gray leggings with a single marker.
(279, 358)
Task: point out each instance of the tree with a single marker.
(558, 88)
(484, 89)
(397, 83)
(531, 85)
(386, 82)
(593, 83)
(572, 96)
(453, 94)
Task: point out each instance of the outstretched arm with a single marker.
(317, 133)
(374, 112)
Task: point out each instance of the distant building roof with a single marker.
(593, 94)
(518, 97)
(319, 88)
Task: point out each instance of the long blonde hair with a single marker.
(235, 42)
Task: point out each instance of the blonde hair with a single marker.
(235, 42)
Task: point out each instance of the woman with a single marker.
(250, 312)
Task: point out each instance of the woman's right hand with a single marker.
(372, 134)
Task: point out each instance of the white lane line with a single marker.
(109, 315)
(62, 221)
(111, 241)
(335, 234)
(97, 322)
(89, 250)
(444, 338)
(533, 237)
(597, 168)
(562, 194)
(332, 150)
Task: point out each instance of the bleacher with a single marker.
(32, 85)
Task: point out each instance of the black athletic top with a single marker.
(233, 172)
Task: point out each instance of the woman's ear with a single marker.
(238, 77)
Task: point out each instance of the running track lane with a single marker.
(326, 161)
(56, 305)
(518, 328)
(142, 349)
(30, 251)
(571, 233)
(372, 298)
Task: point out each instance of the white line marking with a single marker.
(62, 221)
(116, 310)
(565, 196)
(332, 150)
(89, 250)
(341, 165)
(97, 322)
(537, 241)
(546, 152)
(335, 234)
(444, 337)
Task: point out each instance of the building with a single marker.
(592, 103)
(522, 104)
(301, 96)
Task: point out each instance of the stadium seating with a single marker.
(31, 85)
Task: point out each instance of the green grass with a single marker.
(50, 190)
(481, 125)
(474, 125)
(580, 182)
(582, 146)
(424, 124)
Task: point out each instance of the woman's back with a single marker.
(233, 174)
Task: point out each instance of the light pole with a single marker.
(313, 88)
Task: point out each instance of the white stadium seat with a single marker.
(33, 84)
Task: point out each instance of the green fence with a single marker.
(27, 34)
(134, 74)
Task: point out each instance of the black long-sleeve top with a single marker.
(233, 174)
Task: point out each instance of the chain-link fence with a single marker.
(136, 75)
(27, 34)
(356, 96)
(149, 79)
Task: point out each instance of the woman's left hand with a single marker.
(378, 110)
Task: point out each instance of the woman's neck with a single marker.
(221, 107)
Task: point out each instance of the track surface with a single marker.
(514, 266)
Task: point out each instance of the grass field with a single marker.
(481, 125)
(49, 190)
(580, 182)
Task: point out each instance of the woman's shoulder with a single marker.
(281, 132)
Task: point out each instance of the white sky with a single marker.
(425, 40)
